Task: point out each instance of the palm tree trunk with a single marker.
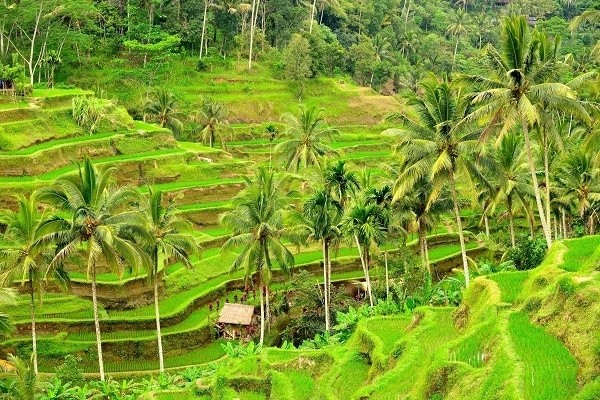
(486, 222)
(546, 174)
(329, 279)
(161, 361)
(322, 11)
(511, 223)
(97, 322)
(262, 315)
(426, 252)
(461, 236)
(326, 284)
(455, 51)
(312, 15)
(251, 34)
(556, 227)
(365, 268)
(267, 308)
(536, 189)
(203, 27)
(564, 223)
(387, 277)
(33, 332)
(423, 246)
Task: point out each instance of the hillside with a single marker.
(507, 340)
(300, 200)
(202, 181)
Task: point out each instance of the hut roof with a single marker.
(236, 314)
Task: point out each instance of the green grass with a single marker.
(304, 385)
(353, 374)
(202, 355)
(580, 253)
(510, 283)
(440, 252)
(81, 139)
(550, 371)
(389, 330)
(59, 92)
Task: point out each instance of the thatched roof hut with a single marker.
(236, 314)
(236, 321)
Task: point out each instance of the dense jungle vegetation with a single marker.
(403, 196)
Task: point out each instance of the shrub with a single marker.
(533, 304)
(202, 66)
(23, 89)
(70, 371)
(566, 286)
(528, 254)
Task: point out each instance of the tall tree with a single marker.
(579, 181)
(308, 135)
(207, 5)
(170, 240)
(257, 223)
(457, 28)
(340, 181)
(364, 223)
(433, 146)
(26, 254)
(517, 90)
(424, 211)
(212, 118)
(320, 221)
(102, 219)
(505, 169)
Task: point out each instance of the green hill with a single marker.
(507, 340)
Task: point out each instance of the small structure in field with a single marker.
(237, 321)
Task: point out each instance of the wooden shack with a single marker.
(237, 321)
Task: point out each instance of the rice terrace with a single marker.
(298, 200)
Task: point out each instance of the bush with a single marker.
(528, 254)
(70, 371)
(566, 286)
(23, 89)
(202, 66)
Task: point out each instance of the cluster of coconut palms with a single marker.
(516, 139)
(85, 216)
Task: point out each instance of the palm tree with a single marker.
(320, 221)
(424, 212)
(163, 109)
(171, 240)
(506, 168)
(26, 382)
(588, 16)
(365, 224)
(579, 180)
(433, 147)
(212, 117)
(26, 253)
(308, 134)
(518, 86)
(257, 223)
(456, 29)
(102, 222)
(340, 181)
